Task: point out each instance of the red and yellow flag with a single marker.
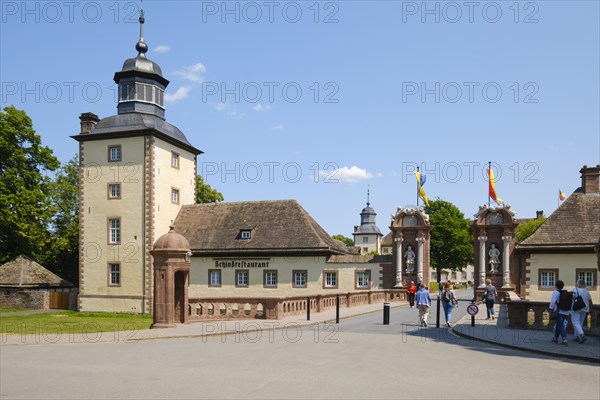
(492, 187)
(561, 195)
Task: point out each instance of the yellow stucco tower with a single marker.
(136, 171)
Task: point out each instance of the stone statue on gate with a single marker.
(494, 254)
(410, 259)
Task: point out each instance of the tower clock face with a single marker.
(494, 218)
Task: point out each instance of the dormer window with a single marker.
(246, 234)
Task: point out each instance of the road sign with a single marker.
(472, 309)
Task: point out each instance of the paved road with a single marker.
(358, 359)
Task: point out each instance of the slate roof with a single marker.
(575, 224)
(279, 227)
(135, 124)
(24, 272)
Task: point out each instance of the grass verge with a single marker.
(5, 310)
(67, 322)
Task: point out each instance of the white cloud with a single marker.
(221, 106)
(179, 94)
(192, 73)
(344, 174)
(230, 111)
(278, 127)
(259, 108)
(163, 48)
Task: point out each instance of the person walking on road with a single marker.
(489, 291)
(423, 299)
(560, 312)
(412, 290)
(578, 316)
(449, 300)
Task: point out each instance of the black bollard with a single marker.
(337, 309)
(437, 317)
(308, 308)
(386, 313)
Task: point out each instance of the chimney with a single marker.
(590, 182)
(539, 214)
(88, 121)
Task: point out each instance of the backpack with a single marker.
(565, 300)
(446, 296)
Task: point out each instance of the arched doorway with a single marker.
(179, 296)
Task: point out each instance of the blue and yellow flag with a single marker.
(420, 183)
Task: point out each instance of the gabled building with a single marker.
(267, 249)
(565, 246)
(136, 171)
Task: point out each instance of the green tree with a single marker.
(205, 193)
(26, 208)
(451, 242)
(62, 255)
(346, 240)
(526, 229)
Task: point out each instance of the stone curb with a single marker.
(520, 348)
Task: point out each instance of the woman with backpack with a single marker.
(578, 314)
(448, 301)
(560, 312)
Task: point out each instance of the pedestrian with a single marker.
(489, 291)
(423, 299)
(412, 290)
(448, 301)
(560, 312)
(578, 316)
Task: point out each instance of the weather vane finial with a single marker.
(368, 195)
(141, 46)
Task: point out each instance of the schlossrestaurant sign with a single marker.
(254, 263)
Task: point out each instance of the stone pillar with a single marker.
(482, 266)
(398, 242)
(420, 241)
(505, 262)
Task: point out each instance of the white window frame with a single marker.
(114, 230)
(246, 235)
(114, 274)
(270, 279)
(111, 190)
(175, 196)
(549, 277)
(214, 277)
(304, 279)
(242, 278)
(363, 279)
(589, 283)
(174, 160)
(330, 279)
(115, 153)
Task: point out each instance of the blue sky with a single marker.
(317, 100)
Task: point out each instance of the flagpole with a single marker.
(418, 187)
(489, 180)
(558, 199)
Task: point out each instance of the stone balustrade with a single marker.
(275, 308)
(536, 315)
